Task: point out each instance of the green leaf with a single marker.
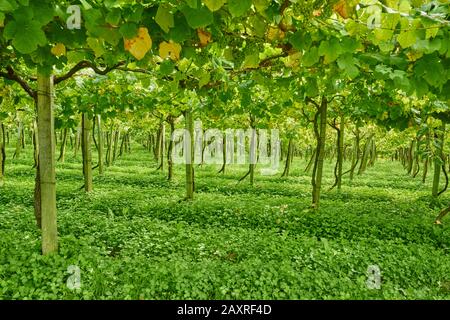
(382, 72)
(164, 18)
(330, 49)
(181, 31)
(114, 16)
(192, 3)
(347, 63)
(198, 18)
(86, 5)
(96, 45)
(434, 74)
(383, 35)
(251, 61)
(433, 45)
(7, 5)
(75, 56)
(214, 5)
(312, 88)
(431, 69)
(389, 20)
(311, 57)
(261, 5)
(27, 37)
(136, 16)
(128, 30)
(400, 79)
(349, 45)
(421, 88)
(204, 79)
(300, 40)
(43, 14)
(354, 27)
(386, 46)
(239, 7)
(431, 32)
(259, 25)
(10, 30)
(407, 38)
(23, 14)
(166, 67)
(3, 115)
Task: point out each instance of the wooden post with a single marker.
(46, 137)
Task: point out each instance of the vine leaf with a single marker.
(164, 18)
(59, 50)
(170, 50)
(214, 5)
(140, 45)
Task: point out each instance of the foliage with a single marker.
(132, 240)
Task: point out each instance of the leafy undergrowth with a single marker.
(133, 238)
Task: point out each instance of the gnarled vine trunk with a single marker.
(189, 154)
(87, 152)
(171, 121)
(438, 161)
(62, 151)
(2, 153)
(100, 144)
(290, 154)
(320, 132)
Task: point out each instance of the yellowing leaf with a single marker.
(293, 60)
(140, 45)
(345, 8)
(275, 33)
(59, 50)
(251, 61)
(342, 9)
(170, 50)
(204, 36)
(414, 55)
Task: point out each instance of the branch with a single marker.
(266, 62)
(284, 6)
(336, 96)
(263, 64)
(281, 25)
(12, 75)
(308, 99)
(138, 70)
(306, 116)
(84, 65)
(334, 124)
